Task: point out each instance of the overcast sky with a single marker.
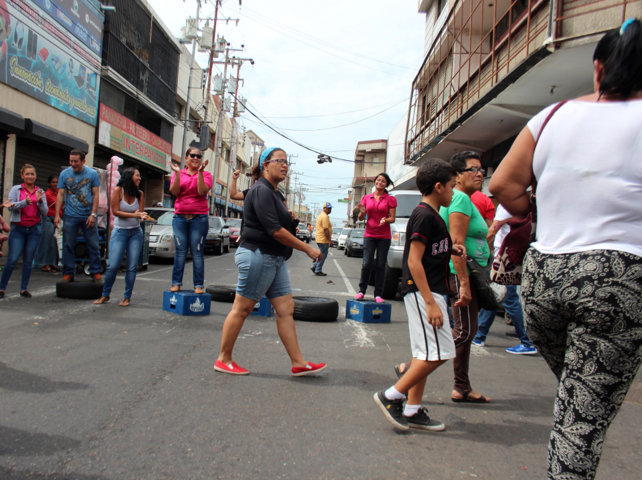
(327, 74)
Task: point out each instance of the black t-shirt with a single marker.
(263, 214)
(426, 226)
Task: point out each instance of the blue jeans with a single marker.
(123, 240)
(70, 227)
(318, 266)
(513, 308)
(21, 238)
(47, 253)
(370, 245)
(261, 274)
(189, 233)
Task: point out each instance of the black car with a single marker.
(354, 243)
(218, 236)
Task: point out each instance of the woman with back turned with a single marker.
(582, 277)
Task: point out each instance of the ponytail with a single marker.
(620, 52)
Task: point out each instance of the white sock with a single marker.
(410, 410)
(393, 394)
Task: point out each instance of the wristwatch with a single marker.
(94, 215)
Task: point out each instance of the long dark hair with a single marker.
(620, 52)
(126, 182)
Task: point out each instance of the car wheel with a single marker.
(221, 293)
(316, 309)
(81, 290)
(390, 282)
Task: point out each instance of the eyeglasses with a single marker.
(195, 155)
(475, 170)
(282, 161)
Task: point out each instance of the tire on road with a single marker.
(79, 290)
(316, 309)
(391, 278)
(221, 293)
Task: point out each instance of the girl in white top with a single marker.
(126, 204)
(582, 280)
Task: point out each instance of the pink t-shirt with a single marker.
(29, 215)
(189, 202)
(376, 210)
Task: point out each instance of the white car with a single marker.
(341, 242)
(161, 237)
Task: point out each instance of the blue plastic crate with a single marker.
(368, 312)
(263, 307)
(186, 303)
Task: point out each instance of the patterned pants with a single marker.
(584, 313)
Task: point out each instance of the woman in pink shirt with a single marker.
(27, 203)
(190, 186)
(380, 208)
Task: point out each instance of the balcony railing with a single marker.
(481, 43)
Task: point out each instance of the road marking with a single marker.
(344, 277)
(358, 335)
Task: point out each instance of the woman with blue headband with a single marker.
(266, 243)
(582, 277)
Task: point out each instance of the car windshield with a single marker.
(357, 233)
(406, 204)
(345, 231)
(215, 222)
(233, 222)
(166, 218)
(156, 213)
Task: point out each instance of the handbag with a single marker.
(489, 297)
(507, 266)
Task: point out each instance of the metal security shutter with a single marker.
(48, 160)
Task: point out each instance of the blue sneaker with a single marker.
(478, 343)
(522, 349)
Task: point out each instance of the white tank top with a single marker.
(128, 208)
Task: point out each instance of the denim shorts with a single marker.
(261, 274)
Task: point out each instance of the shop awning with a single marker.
(11, 121)
(43, 133)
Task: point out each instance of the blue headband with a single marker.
(264, 154)
(626, 24)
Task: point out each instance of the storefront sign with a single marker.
(79, 17)
(123, 135)
(44, 61)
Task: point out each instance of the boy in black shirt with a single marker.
(424, 281)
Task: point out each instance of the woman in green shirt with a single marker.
(467, 227)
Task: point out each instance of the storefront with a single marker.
(138, 147)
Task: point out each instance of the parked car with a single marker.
(156, 212)
(334, 238)
(407, 200)
(303, 232)
(234, 225)
(161, 236)
(341, 241)
(354, 242)
(218, 236)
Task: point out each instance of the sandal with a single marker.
(101, 300)
(401, 369)
(175, 288)
(46, 268)
(124, 302)
(466, 398)
(198, 290)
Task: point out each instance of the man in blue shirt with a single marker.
(78, 188)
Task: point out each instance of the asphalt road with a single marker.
(109, 393)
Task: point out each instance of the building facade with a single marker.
(369, 161)
(490, 66)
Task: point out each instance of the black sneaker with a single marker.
(25, 293)
(393, 410)
(321, 274)
(422, 421)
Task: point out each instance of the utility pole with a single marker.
(189, 86)
(235, 129)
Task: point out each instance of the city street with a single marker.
(109, 393)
